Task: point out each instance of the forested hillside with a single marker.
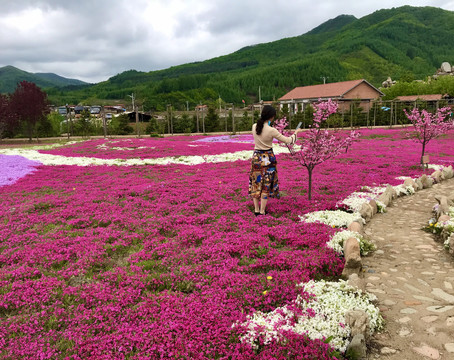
(405, 43)
(11, 76)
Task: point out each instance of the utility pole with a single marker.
(324, 78)
(233, 118)
(169, 114)
(197, 113)
(137, 115)
(68, 109)
(225, 117)
(71, 121)
(260, 96)
(104, 121)
(203, 120)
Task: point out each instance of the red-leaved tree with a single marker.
(318, 144)
(429, 126)
(5, 114)
(29, 103)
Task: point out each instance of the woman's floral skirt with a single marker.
(263, 180)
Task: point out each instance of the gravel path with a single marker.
(413, 277)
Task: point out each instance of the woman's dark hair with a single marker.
(268, 112)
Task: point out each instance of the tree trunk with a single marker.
(422, 153)
(30, 133)
(309, 192)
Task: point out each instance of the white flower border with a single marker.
(331, 301)
(337, 242)
(446, 226)
(334, 218)
(49, 159)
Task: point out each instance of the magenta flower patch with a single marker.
(158, 262)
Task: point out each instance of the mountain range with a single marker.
(405, 43)
(10, 76)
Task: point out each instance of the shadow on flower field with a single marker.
(151, 262)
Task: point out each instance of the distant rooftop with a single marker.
(330, 90)
(432, 97)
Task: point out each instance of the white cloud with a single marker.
(93, 40)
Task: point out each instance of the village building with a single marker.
(345, 93)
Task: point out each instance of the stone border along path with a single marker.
(412, 276)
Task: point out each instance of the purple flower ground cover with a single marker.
(15, 167)
(158, 262)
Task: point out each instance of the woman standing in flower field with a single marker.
(263, 180)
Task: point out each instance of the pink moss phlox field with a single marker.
(154, 147)
(158, 262)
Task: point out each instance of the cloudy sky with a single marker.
(92, 40)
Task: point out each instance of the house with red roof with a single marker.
(344, 93)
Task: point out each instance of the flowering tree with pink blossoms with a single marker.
(429, 126)
(318, 145)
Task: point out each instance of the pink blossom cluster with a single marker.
(158, 262)
(319, 145)
(428, 126)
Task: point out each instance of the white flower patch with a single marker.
(355, 200)
(324, 317)
(49, 159)
(448, 228)
(445, 228)
(56, 145)
(105, 147)
(335, 218)
(337, 242)
(451, 211)
(376, 190)
(435, 167)
(402, 190)
(447, 243)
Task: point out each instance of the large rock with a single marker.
(410, 182)
(355, 281)
(419, 183)
(352, 254)
(446, 67)
(387, 196)
(427, 181)
(358, 320)
(366, 212)
(373, 205)
(437, 176)
(356, 226)
(393, 191)
(448, 172)
(444, 218)
(444, 203)
(357, 347)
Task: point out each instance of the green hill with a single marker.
(11, 76)
(404, 43)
